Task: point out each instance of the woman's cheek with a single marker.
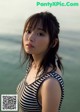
(42, 44)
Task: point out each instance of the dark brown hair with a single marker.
(50, 24)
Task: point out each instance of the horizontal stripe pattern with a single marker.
(28, 94)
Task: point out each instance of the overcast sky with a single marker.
(13, 14)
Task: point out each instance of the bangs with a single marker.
(33, 21)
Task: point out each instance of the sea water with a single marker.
(11, 74)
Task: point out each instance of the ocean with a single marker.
(11, 74)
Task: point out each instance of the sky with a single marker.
(13, 14)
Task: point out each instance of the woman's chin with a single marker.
(28, 51)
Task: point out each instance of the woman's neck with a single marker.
(37, 61)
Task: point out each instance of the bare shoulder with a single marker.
(52, 82)
(58, 71)
(51, 94)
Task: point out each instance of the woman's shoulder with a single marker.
(57, 71)
(54, 78)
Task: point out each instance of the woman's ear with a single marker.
(55, 42)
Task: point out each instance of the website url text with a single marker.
(59, 3)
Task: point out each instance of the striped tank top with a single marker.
(28, 93)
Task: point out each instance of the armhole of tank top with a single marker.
(60, 82)
(39, 88)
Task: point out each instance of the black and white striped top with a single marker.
(28, 94)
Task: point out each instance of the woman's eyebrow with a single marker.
(41, 29)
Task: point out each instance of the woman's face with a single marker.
(35, 41)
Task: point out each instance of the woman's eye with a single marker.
(41, 34)
(28, 31)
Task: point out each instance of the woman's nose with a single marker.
(31, 37)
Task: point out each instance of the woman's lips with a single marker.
(29, 45)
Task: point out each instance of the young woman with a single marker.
(42, 89)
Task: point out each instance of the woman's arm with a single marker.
(50, 94)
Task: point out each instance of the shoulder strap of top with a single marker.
(53, 74)
(58, 78)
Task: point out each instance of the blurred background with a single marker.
(13, 14)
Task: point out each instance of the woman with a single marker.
(42, 89)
